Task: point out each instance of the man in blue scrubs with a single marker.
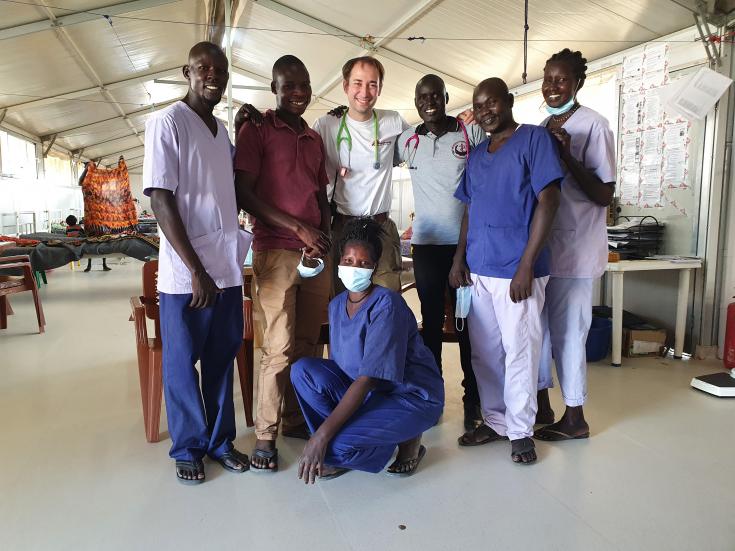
(511, 189)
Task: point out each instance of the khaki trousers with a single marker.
(294, 309)
(388, 271)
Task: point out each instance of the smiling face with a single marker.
(493, 106)
(292, 87)
(207, 74)
(431, 99)
(357, 254)
(362, 88)
(559, 85)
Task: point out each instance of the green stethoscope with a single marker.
(343, 135)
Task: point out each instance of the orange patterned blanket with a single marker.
(108, 203)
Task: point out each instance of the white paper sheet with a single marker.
(653, 110)
(675, 168)
(676, 135)
(629, 186)
(650, 193)
(655, 65)
(652, 146)
(632, 112)
(699, 94)
(630, 150)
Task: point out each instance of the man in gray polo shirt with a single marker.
(436, 152)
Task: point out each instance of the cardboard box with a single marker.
(643, 342)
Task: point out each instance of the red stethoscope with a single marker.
(410, 154)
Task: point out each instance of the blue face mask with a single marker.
(462, 310)
(355, 279)
(308, 271)
(562, 109)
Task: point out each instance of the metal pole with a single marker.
(228, 52)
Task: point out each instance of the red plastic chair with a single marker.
(149, 354)
(17, 284)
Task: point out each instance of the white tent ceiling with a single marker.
(68, 71)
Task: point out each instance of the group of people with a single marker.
(509, 221)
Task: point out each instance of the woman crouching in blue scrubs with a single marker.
(381, 387)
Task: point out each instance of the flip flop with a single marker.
(271, 456)
(519, 447)
(233, 455)
(492, 437)
(192, 466)
(335, 474)
(416, 460)
(552, 435)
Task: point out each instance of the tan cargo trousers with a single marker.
(294, 309)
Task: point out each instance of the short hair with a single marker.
(431, 78)
(576, 62)
(71, 220)
(367, 60)
(363, 231)
(199, 47)
(494, 82)
(286, 61)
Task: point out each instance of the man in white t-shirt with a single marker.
(188, 175)
(360, 147)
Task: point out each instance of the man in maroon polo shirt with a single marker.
(281, 181)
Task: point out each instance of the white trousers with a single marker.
(567, 318)
(506, 342)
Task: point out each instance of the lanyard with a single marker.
(343, 135)
(410, 154)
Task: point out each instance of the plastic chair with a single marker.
(18, 284)
(150, 349)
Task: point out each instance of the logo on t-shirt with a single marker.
(385, 142)
(459, 149)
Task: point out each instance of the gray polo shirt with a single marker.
(436, 167)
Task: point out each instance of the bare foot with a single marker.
(523, 451)
(544, 414)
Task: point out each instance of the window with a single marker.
(57, 169)
(17, 157)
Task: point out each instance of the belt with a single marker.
(380, 218)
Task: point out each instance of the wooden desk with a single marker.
(618, 270)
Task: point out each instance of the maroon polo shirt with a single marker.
(289, 168)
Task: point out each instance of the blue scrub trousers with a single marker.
(369, 438)
(201, 421)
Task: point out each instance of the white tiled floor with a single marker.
(76, 472)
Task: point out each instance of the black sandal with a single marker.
(337, 473)
(194, 467)
(519, 447)
(414, 462)
(469, 438)
(270, 455)
(234, 455)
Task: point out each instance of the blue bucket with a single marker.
(598, 339)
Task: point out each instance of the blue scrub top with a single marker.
(382, 341)
(501, 189)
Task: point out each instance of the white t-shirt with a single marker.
(182, 156)
(578, 239)
(365, 190)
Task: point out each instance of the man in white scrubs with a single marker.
(360, 147)
(189, 177)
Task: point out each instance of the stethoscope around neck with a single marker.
(343, 135)
(410, 154)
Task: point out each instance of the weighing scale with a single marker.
(717, 384)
